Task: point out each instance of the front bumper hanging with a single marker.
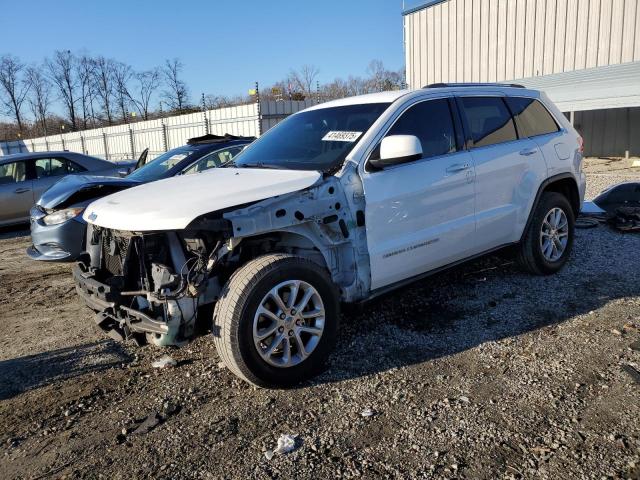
(118, 321)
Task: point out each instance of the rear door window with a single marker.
(13, 172)
(50, 167)
(489, 120)
(532, 118)
(55, 167)
(432, 123)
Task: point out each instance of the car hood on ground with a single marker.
(60, 192)
(173, 203)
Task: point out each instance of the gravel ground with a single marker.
(604, 172)
(480, 372)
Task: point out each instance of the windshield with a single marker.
(314, 140)
(156, 168)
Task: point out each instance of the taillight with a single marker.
(580, 145)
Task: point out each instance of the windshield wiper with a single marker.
(259, 165)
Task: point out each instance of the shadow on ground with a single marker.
(16, 231)
(448, 313)
(19, 375)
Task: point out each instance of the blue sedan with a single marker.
(57, 227)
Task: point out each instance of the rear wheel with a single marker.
(276, 321)
(549, 238)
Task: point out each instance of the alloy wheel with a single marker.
(554, 234)
(288, 323)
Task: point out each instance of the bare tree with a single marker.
(85, 73)
(304, 78)
(176, 95)
(40, 96)
(61, 72)
(122, 75)
(381, 79)
(103, 81)
(212, 101)
(14, 91)
(147, 83)
(338, 88)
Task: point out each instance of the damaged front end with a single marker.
(148, 286)
(156, 285)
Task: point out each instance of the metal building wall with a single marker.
(610, 132)
(497, 40)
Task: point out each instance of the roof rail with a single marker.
(444, 85)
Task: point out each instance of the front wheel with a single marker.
(548, 241)
(276, 321)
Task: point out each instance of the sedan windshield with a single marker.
(318, 139)
(156, 168)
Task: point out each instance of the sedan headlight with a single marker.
(61, 216)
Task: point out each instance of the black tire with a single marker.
(234, 315)
(530, 255)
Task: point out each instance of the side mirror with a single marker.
(396, 149)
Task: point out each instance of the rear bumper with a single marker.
(118, 321)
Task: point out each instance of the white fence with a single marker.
(128, 141)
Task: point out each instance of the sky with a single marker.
(225, 45)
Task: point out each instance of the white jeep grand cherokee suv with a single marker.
(338, 203)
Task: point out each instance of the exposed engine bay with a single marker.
(149, 286)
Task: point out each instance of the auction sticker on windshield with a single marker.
(337, 136)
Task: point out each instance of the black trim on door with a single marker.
(457, 125)
(514, 119)
(468, 141)
(421, 276)
(31, 169)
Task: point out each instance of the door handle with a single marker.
(458, 167)
(528, 151)
(21, 190)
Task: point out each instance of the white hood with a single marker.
(173, 203)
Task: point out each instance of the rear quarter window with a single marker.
(73, 167)
(532, 118)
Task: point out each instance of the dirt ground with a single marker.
(480, 372)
